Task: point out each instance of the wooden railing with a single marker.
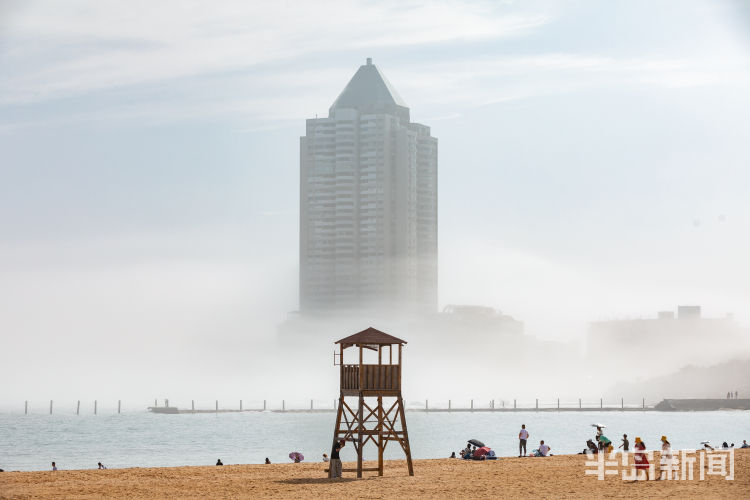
(375, 377)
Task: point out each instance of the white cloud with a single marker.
(175, 61)
(62, 50)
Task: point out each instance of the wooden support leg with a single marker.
(405, 439)
(380, 436)
(359, 435)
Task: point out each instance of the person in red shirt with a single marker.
(641, 462)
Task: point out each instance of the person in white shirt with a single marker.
(522, 437)
(668, 465)
(54, 466)
(543, 449)
(325, 457)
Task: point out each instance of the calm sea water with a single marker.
(31, 442)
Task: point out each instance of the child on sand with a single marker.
(625, 443)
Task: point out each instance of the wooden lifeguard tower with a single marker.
(371, 420)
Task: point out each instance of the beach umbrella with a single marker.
(481, 451)
(296, 456)
(476, 443)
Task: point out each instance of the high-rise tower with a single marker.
(368, 204)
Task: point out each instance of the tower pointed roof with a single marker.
(369, 90)
(370, 336)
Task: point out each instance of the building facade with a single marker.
(368, 204)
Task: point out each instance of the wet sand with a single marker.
(552, 477)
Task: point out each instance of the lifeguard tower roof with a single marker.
(370, 336)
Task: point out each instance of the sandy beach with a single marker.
(552, 477)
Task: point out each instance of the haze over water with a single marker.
(144, 440)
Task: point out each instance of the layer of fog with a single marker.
(156, 257)
(171, 316)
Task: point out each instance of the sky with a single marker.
(593, 164)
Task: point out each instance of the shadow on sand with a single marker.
(316, 480)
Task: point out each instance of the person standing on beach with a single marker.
(268, 462)
(334, 470)
(666, 465)
(522, 437)
(54, 467)
(625, 443)
(641, 462)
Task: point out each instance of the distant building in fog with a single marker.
(667, 342)
(368, 204)
(688, 312)
(481, 319)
